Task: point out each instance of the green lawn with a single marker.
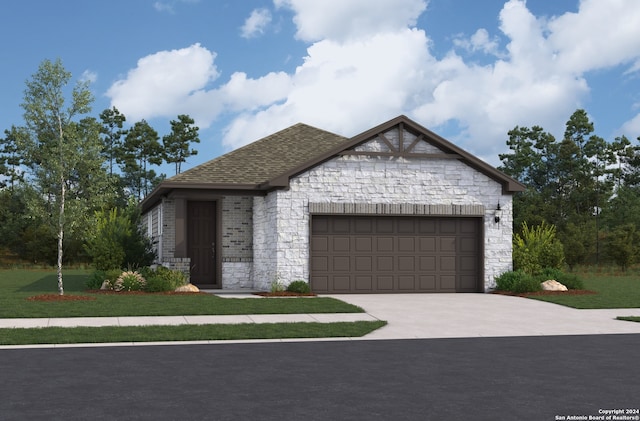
(59, 335)
(613, 291)
(629, 318)
(18, 285)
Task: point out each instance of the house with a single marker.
(394, 209)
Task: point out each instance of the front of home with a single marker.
(394, 209)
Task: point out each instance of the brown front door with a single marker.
(201, 243)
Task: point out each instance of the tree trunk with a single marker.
(61, 236)
(63, 192)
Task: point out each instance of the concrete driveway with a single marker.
(483, 315)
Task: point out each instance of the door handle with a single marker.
(213, 248)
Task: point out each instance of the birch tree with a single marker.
(62, 149)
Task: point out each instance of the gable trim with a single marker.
(451, 151)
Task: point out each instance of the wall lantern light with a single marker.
(498, 214)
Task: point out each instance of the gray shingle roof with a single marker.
(264, 159)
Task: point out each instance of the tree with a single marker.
(622, 245)
(62, 150)
(141, 149)
(112, 131)
(176, 144)
(10, 157)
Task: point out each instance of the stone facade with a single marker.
(359, 181)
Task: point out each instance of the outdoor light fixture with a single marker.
(498, 213)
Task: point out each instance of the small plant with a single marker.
(96, 279)
(129, 281)
(277, 285)
(163, 279)
(301, 287)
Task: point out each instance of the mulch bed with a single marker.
(58, 297)
(538, 293)
(283, 294)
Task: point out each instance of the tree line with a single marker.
(585, 186)
(63, 165)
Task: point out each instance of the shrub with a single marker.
(526, 284)
(118, 240)
(518, 282)
(536, 248)
(163, 279)
(98, 277)
(301, 287)
(129, 281)
(506, 281)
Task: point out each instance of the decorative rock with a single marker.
(552, 285)
(105, 285)
(187, 288)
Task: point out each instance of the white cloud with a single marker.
(256, 23)
(365, 64)
(169, 6)
(631, 128)
(479, 41)
(602, 34)
(89, 76)
(164, 84)
(341, 20)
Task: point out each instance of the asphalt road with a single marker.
(515, 378)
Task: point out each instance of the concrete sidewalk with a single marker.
(184, 320)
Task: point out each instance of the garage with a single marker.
(401, 254)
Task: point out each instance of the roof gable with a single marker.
(391, 140)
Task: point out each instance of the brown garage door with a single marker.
(379, 254)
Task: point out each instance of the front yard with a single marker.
(18, 287)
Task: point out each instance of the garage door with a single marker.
(382, 254)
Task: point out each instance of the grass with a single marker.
(17, 285)
(629, 318)
(60, 335)
(613, 291)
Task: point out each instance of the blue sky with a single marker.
(469, 70)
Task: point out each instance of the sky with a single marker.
(468, 70)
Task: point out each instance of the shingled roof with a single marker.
(265, 159)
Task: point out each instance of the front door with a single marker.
(201, 243)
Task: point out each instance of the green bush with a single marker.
(98, 277)
(518, 282)
(506, 281)
(526, 284)
(118, 241)
(163, 279)
(105, 244)
(536, 248)
(301, 287)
